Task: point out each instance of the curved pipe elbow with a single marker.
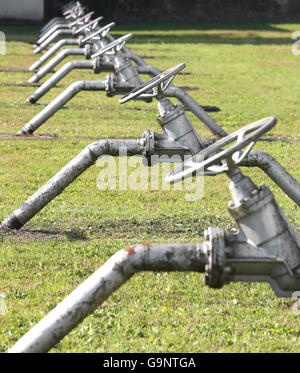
(146, 69)
(55, 61)
(51, 52)
(57, 77)
(196, 109)
(51, 38)
(67, 175)
(59, 102)
(104, 282)
(48, 33)
(275, 171)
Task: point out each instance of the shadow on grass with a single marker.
(172, 227)
(228, 38)
(36, 234)
(228, 32)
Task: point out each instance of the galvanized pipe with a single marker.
(80, 20)
(55, 61)
(139, 61)
(75, 9)
(51, 52)
(67, 175)
(62, 21)
(60, 24)
(59, 102)
(91, 25)
(63, 71)
(52, 22)
(59, 32)
(184, 98)
(58, 76)
(80, 42)
(58, 21)
(275, 171)
(55, 28)
(102, 283)
(63, 25)
(52, 38)
(196, 109)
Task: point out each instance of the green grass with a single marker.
(248, 70)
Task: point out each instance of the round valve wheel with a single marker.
(116, 45)
(156, 84)
(102, 32)
(91, 25)
(230, 157)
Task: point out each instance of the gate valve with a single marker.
(216, 160)
(82, 20)
(266, 247)
(96, 35)
(171, 117)
(113, 86)
(89, 26)
(114, 47)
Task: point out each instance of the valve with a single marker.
(113, 47)
(89, 26)
(83, 19)
(99, 34)
(123, 67)
(266, 247)
(218, 161)
(172, 118)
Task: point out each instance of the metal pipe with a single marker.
(52, 38)
(51, 52)
(80, 41)
(52, 22)
(55, 28)
(79, 23)
(80, 20)
(55, 105)
(91, 25)
(186, 100)
(136, 58)
(139, 60)
(196, 109)
(63, 71)
(58, 76)
(74, 8)
(67, 175)
(102, 283)
(55, 61)
(275, 171)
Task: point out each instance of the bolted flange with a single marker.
(216, 269)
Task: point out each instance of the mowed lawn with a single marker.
(249, 71)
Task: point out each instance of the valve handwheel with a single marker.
(101, 33)
(156, 84)
(114, 46)
(92, 25)
(230, 157)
